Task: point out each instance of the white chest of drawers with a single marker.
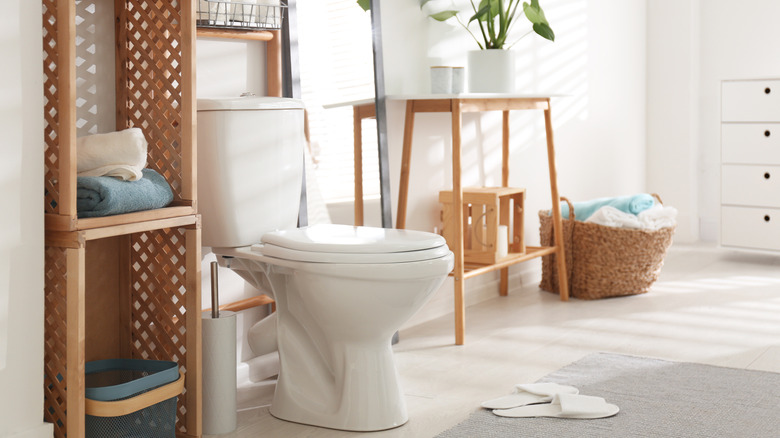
(750, 164)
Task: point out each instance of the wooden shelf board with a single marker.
(64, 223)
(236, 34)
(78, 238)
(531, 252)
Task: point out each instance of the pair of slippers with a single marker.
(550, 400)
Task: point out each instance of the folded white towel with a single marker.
(654, 218)
(120, 154)
(657, 217)
(612, 217)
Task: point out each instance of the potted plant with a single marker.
(491, 69)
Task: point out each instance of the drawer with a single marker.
(751, 143)
(750, 101)
(757, 186)
(745, 227)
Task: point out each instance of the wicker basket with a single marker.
(604, 261)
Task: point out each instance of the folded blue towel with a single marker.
(105, 196)
(634, 204)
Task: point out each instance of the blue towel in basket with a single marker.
(105, 195)
(633, 204)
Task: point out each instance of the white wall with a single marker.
(735, 43)
(690, 52)
(21, 231)
(597, 61)
(673, 109)
(227, 68)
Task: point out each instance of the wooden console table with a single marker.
(465, 103)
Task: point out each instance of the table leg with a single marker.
(358, 156)
(406, 157)
(503, 289)
(560, 256)
(457, 201)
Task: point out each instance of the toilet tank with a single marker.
(250, 167)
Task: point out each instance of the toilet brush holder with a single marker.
(219, 366)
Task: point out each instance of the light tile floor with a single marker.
(710, 306)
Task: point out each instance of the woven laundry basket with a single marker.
(604, 261)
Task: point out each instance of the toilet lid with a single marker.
(331, 243)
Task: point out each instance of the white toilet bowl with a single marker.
(341, 292)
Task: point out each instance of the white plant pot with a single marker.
(491, 71)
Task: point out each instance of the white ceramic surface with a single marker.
(441, 79)
(491, 71)
(334, 324)
(250, 163)
(335, 321)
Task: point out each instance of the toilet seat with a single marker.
(344, 244)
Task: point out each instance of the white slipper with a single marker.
(530, 393)
(564, 406)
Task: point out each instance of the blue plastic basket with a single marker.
(132, 398)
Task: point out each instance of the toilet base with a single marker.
(362, 395)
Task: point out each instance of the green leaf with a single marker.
(366, 4)
(443, 15)
(423, 2)
(534, 13)
(481, 14)
(544, 30)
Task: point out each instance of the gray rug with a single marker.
(657, 398)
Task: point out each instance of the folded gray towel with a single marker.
(105, 196)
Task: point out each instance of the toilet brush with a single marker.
(219, 365)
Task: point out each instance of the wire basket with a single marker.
(131, 398)
(226, 14)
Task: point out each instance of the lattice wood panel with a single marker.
(51, 102)
(55, 349)
(158, 289)
(150, 84)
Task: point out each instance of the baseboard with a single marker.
(478, 289)
(44, 430)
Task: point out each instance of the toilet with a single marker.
(341, 292)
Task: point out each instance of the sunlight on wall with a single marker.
(336, 63)
(561, 69)
(95, 66)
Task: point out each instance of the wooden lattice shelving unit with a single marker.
(128, 285)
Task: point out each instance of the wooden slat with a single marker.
(492, 104)
(563, 281)
(273, 65)
(531, 253)
(137, 227)
(236, 34)
(193, 327)
(66, 105)
(432, 106)
(457, 200)
(188, 108)
(406, 158)
(247, 303)
(357, 124)
(76, 338)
